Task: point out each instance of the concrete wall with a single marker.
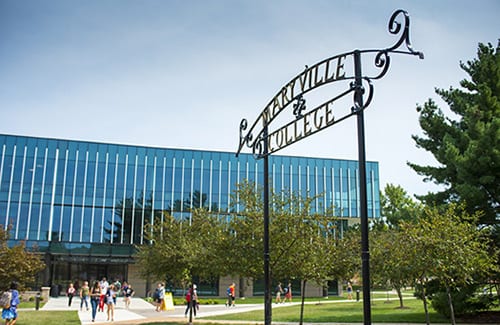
(139, 284)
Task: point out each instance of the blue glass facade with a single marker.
(70, 197)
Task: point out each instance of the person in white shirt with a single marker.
(104, 284)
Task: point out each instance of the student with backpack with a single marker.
(230, 292)
(9, 312)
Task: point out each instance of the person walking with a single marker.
(70, 292)
(95, 296)
(10, 313)
(110, 302)
(159, 296)
(349, 291)
(278, 291)
(84, 295)
(128, 292)
(104, 284)
(288, 293)
(231, 292)
(118, 288)
(192, 300)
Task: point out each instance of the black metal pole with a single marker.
(365, 252)
(267, 271)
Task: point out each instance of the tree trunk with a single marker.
(242, 287)
(450, 303)
(400, 295)
(303, 302)
(426, 310)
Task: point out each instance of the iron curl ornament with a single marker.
(330, 70)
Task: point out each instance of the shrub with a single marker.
(466, 300)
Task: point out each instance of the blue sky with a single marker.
(184, 73)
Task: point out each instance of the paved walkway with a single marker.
(140, 311)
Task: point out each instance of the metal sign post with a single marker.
(264, 142)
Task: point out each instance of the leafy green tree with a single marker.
(397, 205)
(391, 265)
(347, 261)
(466, 144)
(302, 243)
(176, 251)
(449, 248)
(17, 264)
(243, 244)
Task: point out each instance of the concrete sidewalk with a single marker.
(140, 310)
(121, 313)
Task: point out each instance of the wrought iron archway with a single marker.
(264, 142)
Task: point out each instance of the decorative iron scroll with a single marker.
(328, 71)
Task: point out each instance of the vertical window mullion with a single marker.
(210, 186)
(349, 191)
(163, 189)
(341, 193)
(33, 169)
(73, 198)
(43, 192)
(220, 185)
(133, 199)
(113, 210)
(333, 191)
(124, 201)
(201, 183)
(92, 214)
(53, 199)
(182, 185)
(238, 182)
(144, 198)
(153, 196)
(21, 193)
(163, 193)
(325, 193)
(63, 194)
(228, 189)
(173, 188)
(191, 195)
(11, 183)
(84, 193)
(2, 163)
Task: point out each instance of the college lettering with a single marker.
(312, 122)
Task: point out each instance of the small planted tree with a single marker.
(16, 263)
(448, 248)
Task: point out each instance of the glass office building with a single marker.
(70, 198)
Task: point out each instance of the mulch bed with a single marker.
(486, 317)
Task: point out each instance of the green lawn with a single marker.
(381, 311)
(47, 317)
